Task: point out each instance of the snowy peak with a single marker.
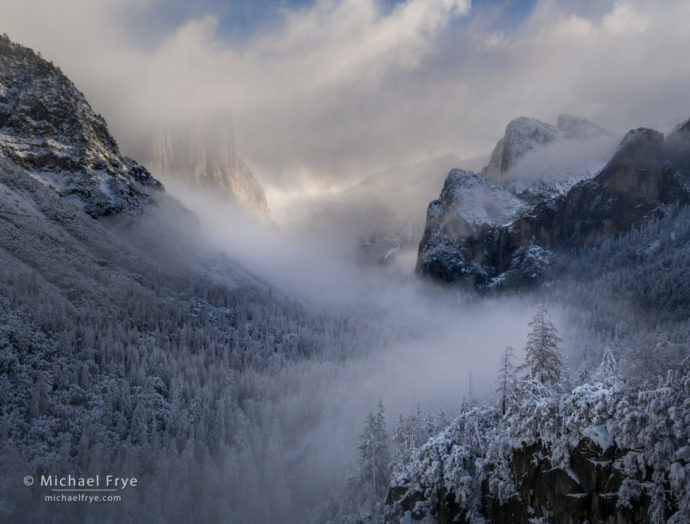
(48, 128)
(538, 161)
(468, 206)
(525, 134)
(522, 135)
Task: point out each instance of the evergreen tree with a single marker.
(507, 387)
(372, 477)
(543, 360)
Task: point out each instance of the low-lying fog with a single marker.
(430, 342)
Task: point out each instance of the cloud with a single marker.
(338, 89)
(623, 20)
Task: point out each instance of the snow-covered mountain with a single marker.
(525, 134)
(203, 152)
(646, 173)
(474, 200)
(536, 160)
(467, 206)
(127, 344)
(48, 128)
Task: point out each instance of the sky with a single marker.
(326, 92)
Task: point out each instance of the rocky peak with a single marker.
(468, 206)
(644, 174)
(475, 200)
(48, 128)
(521, 136)
(537, 161)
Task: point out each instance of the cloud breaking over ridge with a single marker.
(340, 88)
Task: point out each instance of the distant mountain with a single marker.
(646, 173)
(525, 134)
(48, 128)
(203, 152)
(536, 160)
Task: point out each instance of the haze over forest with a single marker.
(401, 254)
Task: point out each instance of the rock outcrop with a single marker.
(203, 152)
(470, 206)
(645, 173)
(48, 128)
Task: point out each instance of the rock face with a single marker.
(469, 207)
(48, 128)
(525, 134)
(204, 152)
(645, 173)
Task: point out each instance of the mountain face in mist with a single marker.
(528, 159)
(203, 152)
(646, 173)
(469, 206)
(525, 134)
(48, 128)
(390, 203)
(122, 341)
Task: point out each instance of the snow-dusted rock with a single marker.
(644, 174)
(48, 128)
(468, 207)
(537, 161)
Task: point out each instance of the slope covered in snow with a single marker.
(48, 127)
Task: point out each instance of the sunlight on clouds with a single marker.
(342, 88)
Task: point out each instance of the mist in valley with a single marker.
(413, 344)
(235, 342)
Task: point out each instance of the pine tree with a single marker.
(372, 479)
(506, 388)
(608, 369)
(542, 359)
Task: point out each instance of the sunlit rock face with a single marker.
(48, 128)
(645, 173)
(203, 152)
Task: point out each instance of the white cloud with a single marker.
(624, 19)
(343, 88)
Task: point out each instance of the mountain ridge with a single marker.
(48, 127)
(645, 173)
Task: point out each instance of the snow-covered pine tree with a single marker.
(543, 360)
(506, 382)
(608, 369)
(373, 474)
